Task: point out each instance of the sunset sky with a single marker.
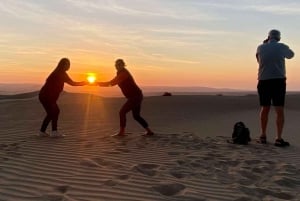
(163, 42)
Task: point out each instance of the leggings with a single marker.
(134, 105)
(52, 111)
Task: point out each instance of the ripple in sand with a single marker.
(169, 189)
(54, 197)
(3, 146)
(174, 153)
(89, 163)
(102, 162)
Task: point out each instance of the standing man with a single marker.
(133, 94)
(271, 85)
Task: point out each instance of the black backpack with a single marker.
(240, 134)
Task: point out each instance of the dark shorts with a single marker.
(272, 92)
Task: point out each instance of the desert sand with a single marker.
(188, 158)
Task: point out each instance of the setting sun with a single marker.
(91, 78)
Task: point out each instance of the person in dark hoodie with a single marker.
(49, 95)
(133, 94)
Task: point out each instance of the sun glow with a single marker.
(91, 78)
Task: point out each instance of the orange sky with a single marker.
(181, 43)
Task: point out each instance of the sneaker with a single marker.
(262, 140)
(281, 143)
(43, 134)
(148, 134)
(56, 134)
(119, 135)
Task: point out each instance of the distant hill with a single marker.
(10, 88)
(160, 90)
(188, 89)
(27, 90)
(20, 96)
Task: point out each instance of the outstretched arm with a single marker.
(69, 81)
(82, 83)
(116, 80)
(104, 84)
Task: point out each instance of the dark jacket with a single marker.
(127, 84)
(54, 86)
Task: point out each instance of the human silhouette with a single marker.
(133, 94)
(271, 85)
(49, 94)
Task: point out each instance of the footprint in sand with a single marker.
(123, 150)
(112, 152)
(270, 162)
(261, 169)
(183, 162)
(89, 145)
(111, 182)
(179, 174)
(5, 159)
(286, 181)
(123, 177)
(169, 189)
(232, 163)
(3, 146)
(114, 182)
(62, 189)
(176, 153)
(261, 192)
(248, 174)
(14, 145)
(9, 147)
(147, 169)
(252, 162)
(102, 162)
(196, 164)
(289, 169)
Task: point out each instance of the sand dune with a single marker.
(187, 160)
(20, 96)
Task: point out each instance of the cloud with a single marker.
(283, 9)
(288, 7)
(146, 9)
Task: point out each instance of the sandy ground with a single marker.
(188, 159)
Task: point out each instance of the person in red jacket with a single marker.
(133, 94)
(50, 92)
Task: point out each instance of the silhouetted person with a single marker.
(271, 85)
(133, 94)
(50, 92)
